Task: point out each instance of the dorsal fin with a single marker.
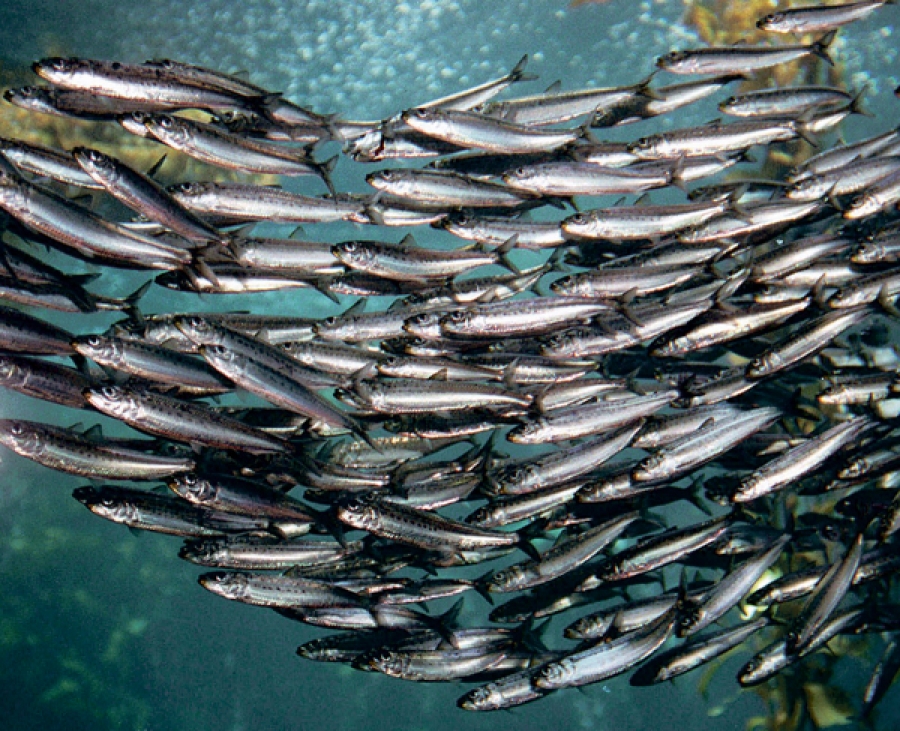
(356, 308)
(554, 88)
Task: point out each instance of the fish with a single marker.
(741, 59)
(724, 346)
(73, 453)
(472, 130)
(182, 421)
(144, 195)
(815, 19)
(136, 82)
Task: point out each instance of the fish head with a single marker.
(226, 584)
(22, 437)
(397, 182)
(202, 551)
(513, 479)
(555, 674)
(425, 325)
(764, 364)
(763, 664)
(56, 69)
(689, 615)
(113, 400)
(189, 190)
(30, 97)
(517, 175)
(371, 392)
(458, 221)
(134, 123)
(354, 253)
(525, 433)
(862, 206)
(484, 516)
(333, 328)
(461, 319)
(106, 504)
(197, 329)
(366, 147)
(192, 487)
(485, 698)
(10, 373)
(359, 513)
(569, 285)
(421, 114)
(168, 128)
(578, 225)
(98, 348)
(508, 579)
(849, 296)
(643, 146)
(220, 356)
(381, 179)
(672, 59)
(386, 661)
(770, 21)
(95, 163)
(562, 344)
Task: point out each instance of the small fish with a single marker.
(605, 660)
(144, 195)
(134, 82)
(472, 130)
(829, 592)
(740, 59)
(73, 453)
(818, 18)
(181, 420)
(701, 650)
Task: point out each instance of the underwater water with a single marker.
(102, 629)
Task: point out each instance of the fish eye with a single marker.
(166, 122)
(578, 218)
(329, 321)
(189, 479)
(110, 392)
(93, 341)
(17, 429)
(354, 505)
(60, 64)
(115, 66)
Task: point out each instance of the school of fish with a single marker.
(683, 416)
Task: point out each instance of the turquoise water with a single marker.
(103, 629)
